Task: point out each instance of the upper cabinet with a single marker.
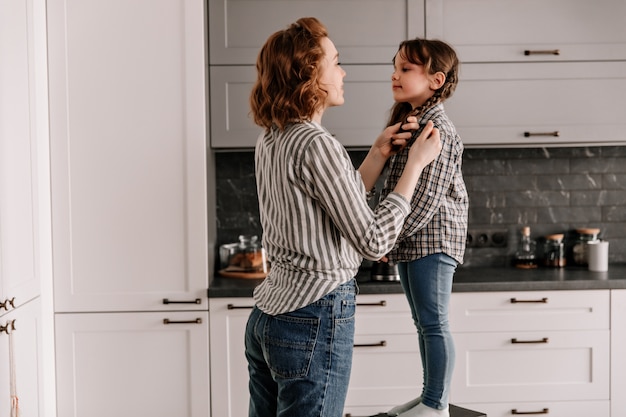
(368, 99)
(364, 31)
(530, 30)
(533, 74)
(128, 154)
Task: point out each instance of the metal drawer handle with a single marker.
(382, 343)
(515, 341)
(381, 303)
(9, 328)
(544, 411)
(196, 321)
(234, 307)
(168, 301)
(543, 300)
(555, 134)
(542, 52)
(11, 303)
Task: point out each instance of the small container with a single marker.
(580, 252)
(526, 257)
(554, 251)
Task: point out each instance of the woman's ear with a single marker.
(437, 80)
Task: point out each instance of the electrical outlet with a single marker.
(487, 239)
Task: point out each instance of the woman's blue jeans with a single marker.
(427, 283)
(299, 362)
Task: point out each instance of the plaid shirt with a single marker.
(438, 219)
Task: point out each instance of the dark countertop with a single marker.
(471, 279)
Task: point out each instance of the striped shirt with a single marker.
(439, 207)
(317, 224)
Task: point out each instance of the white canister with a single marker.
(598, 254)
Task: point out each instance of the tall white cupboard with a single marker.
(129, 206)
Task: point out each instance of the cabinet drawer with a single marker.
(497, 30)
(547, 408)
(531, 366)
(540, 104)
(239, 28)
(529, 311)
(385, 370)
(382, 315)
(356, 123)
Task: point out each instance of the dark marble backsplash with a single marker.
(552, 190)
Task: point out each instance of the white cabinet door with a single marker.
(504, 30)
(618, 347)
(24, 325)
(357, 123)
(540, 104)
(128, 153)
(545, 408)
(364, 31)
(229, 368)
(132, 364)
(19, 280)
(531, 366)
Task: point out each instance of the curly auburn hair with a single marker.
(287, 88)
(436, 56)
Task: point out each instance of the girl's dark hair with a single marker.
(287, 88)
(435, 56)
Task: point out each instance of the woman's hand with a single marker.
(395, 137)
(426, 147)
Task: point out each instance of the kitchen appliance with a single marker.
(384, 271)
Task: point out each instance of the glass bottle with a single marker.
(525, 256)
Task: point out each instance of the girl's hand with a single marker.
(395, 137)
(426, 147)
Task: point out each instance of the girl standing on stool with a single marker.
(432, 242)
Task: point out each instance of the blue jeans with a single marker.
(427, 283)
(299, 363)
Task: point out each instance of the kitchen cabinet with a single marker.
(367, 90)
(239, 28)
(19, 281)
(618, 347)
(133, 364)
(128, 154)
(129, 206)
(532, 351)
(23, 326)
(537, 73)
(530, 31)
(540, 104)
(386, 366)
(23, 210)
(229, 368)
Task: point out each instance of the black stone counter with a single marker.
(476, 279)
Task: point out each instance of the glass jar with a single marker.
(554, 251)
(580, 253)
(245, 256)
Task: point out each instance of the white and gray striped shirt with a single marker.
(317, 225)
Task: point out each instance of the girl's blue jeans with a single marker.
(427, 283)
(299, 363)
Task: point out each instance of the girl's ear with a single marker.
(437, 80)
